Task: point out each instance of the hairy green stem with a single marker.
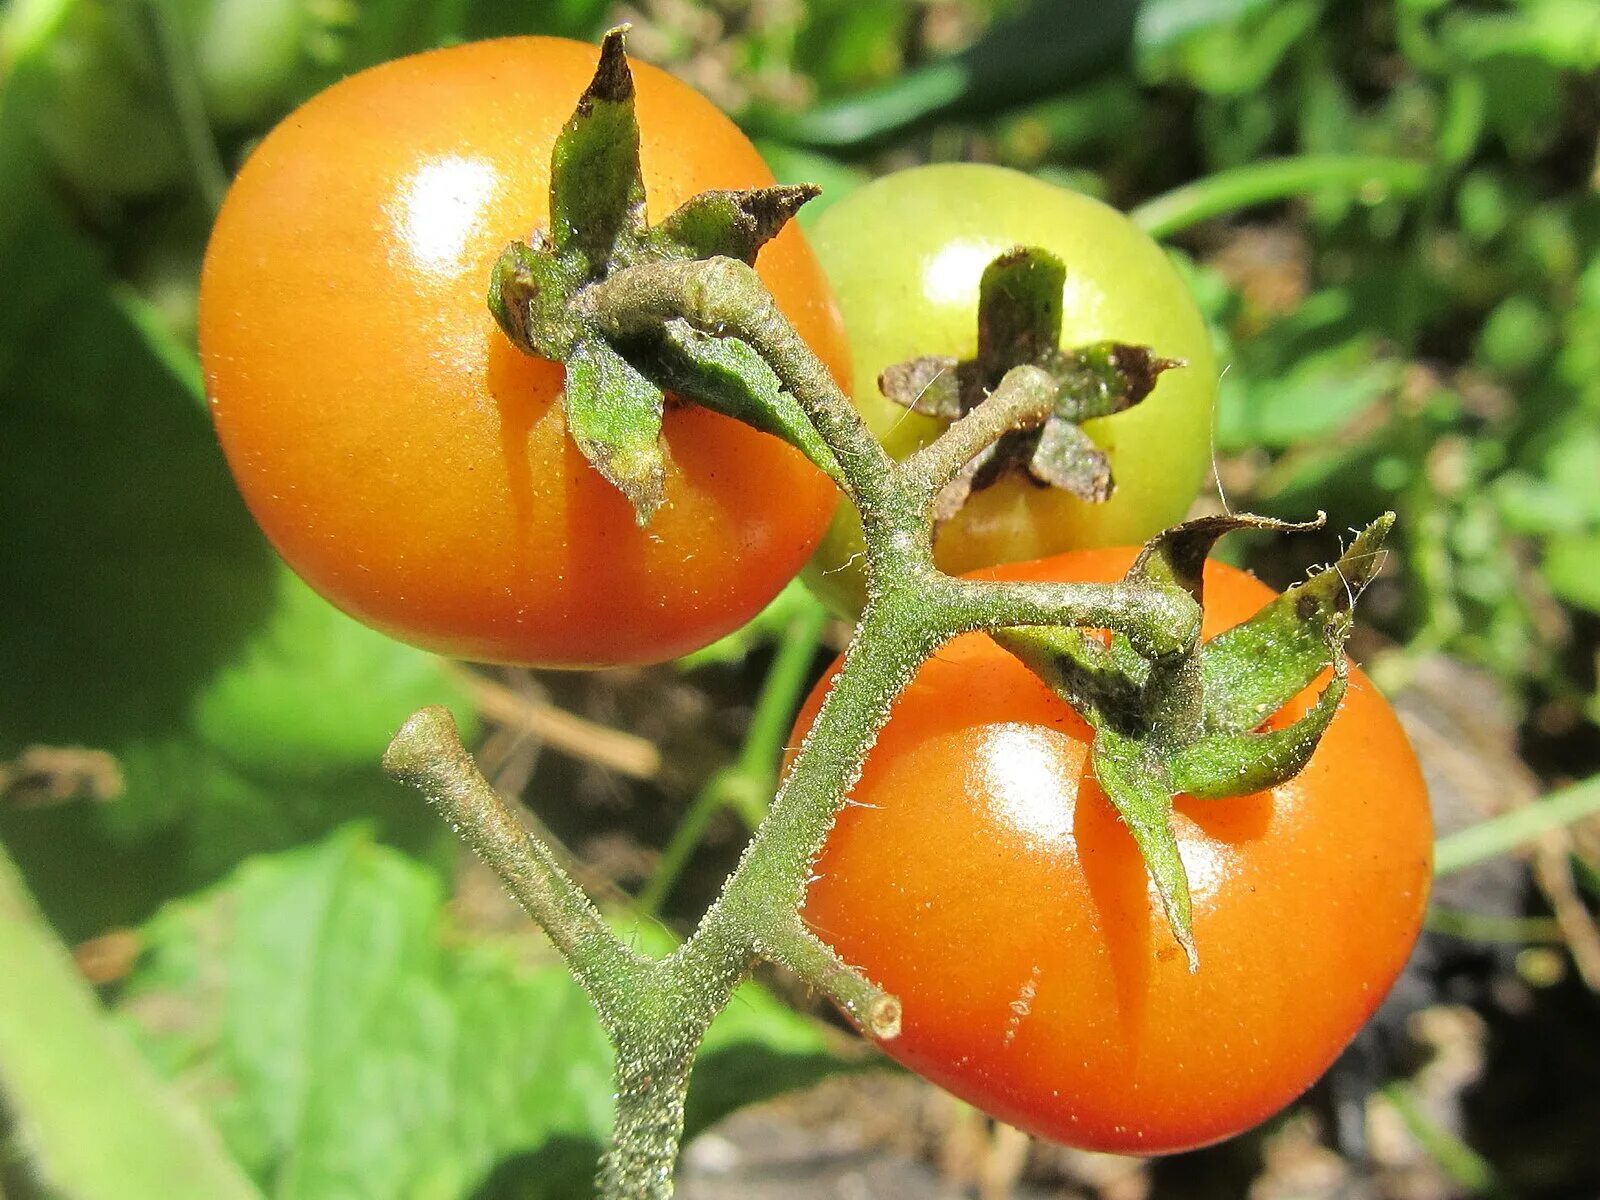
(656, 1041)
(768, 886)
(427, 753)
(1158, 622)
(1024, 398)
(651, 1093)
(747, 784)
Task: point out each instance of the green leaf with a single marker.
(727, 376)
(1134, 779)
(1253, 669)
(146, 617)
(614, 415)
(730, 224)
(1572, 569)
(354, 1043)
(596, 190)
(96, 1122)
(1305, 391)
(529, 293)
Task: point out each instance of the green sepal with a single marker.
(1253, 669)
(1097, 380)
(1219, 765)
(1066, 457)
(530, 291)
(1157, 733)
(598, 225)
(1134, 779)
(1081, 669)
(1019, 309)
(614, 416)
(1105, 378)
(727, 376)
(1176, 557)
(596, 189)
(730, 224)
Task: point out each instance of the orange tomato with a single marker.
(982, 877)
(403, 457)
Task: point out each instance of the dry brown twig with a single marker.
(619, 751)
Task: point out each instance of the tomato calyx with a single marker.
(1192, 724)
(1019, 324)
(615, 392)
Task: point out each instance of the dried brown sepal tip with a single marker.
(613, 78)
(931, 386)
(1177, 556)
(1193, 726)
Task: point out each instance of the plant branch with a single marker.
(755, 913)
(656, 1012)
(724, 297)
(427, 753)
(1157, 621)
(747, 784)
(794, 946)
(1024, 398)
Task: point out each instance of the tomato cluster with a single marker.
(416, 467)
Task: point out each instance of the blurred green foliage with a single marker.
(349, 1041)
(1433, 348)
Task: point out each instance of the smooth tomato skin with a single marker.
(982, 876)
(400, 453)
(905, 254)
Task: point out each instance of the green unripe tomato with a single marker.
(103, 110)
(249, 54)
(905, 254)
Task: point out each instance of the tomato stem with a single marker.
(746, 785)
(427, 753)
(656, 1012)
(1025, 397)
